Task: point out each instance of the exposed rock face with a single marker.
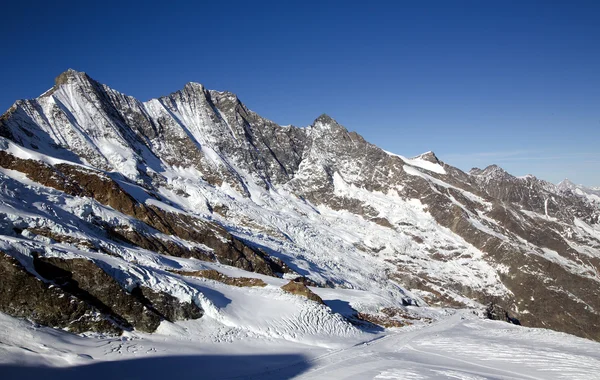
(142, 308)
(214, 275)
(497, 313)
(86, 281)
(165, 305)
(390, 317)
(197, 175)
(24, 295)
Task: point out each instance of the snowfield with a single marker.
(458, 345)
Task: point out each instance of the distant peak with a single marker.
(193, 90)
(492, 171)
(428, 156)
(327, 124)
(224, 96)
(69, 76)
(565, 182)
(493, 168)
(194, 85)
(325, 119)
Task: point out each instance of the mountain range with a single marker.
(117, 215)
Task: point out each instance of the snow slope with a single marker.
(458, 346)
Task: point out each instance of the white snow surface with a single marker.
(458, 345)
(421, 163)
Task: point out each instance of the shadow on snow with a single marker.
(284, 366)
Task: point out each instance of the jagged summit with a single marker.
(194, 85)
(566, 183)
(69, 76)
(325, 123)
(490, 171)
(590, 193)
(493, 169)
(428, 156)
(78, 79)
(325, 119)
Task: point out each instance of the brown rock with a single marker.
(300, 289)
(214, 275)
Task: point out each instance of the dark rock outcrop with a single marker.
(25, 296)
(165, 305)
(497, 313)
(142, 309)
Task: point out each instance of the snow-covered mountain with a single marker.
(592, 194)
(119, 215)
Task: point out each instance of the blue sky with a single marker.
(511, 83)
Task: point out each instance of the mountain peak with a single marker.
(491, 171)
(325, 125)
(325, 119)
(326, 122)
(194, 86)
(428, 156)
(70, 76)
(565, 183)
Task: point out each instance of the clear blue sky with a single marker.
(477, 82)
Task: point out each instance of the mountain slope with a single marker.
(146, 189)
